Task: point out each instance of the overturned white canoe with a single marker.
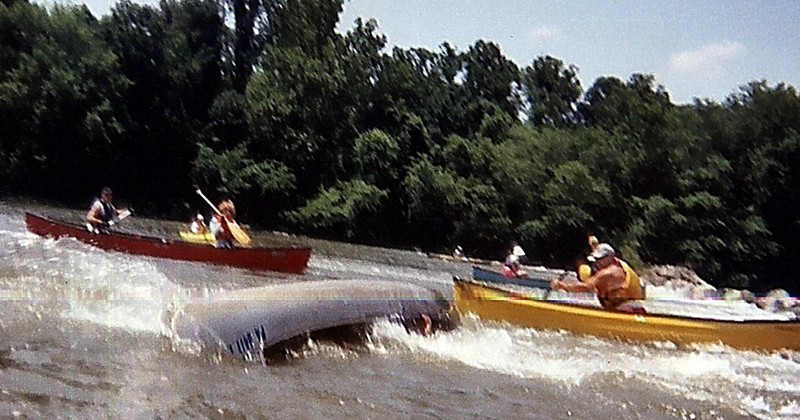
(250, 320)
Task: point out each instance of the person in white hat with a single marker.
(198, 224)
(611, 281)
(517, 251)
(458, 253)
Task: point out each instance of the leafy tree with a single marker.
(58, 103)
(378, 158)
(491, 76)
(246, 43)
(432, 195)
(228, 124)
(22, 26)
(306, 24)
(172, 56)
(342, 211)
(481, 224)
(293, 116)
(233, 172)
(763, 148)
(411, 99)
(552, 91)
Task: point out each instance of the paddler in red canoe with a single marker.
(220, 227)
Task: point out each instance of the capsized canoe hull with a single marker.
(247, 320)
(492, 303)
(288, 260)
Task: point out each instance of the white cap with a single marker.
(199, 216)
(603, 250)
(518, 251)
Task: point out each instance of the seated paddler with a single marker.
(198, 225)
(102, 213)
(611, 279)
(512, 268)
(220, 226)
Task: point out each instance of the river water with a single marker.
(82, 336)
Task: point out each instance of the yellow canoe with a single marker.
(198, 238)
(491, 303)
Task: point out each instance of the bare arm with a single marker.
(574, 287)
(93, 215)
(607, 279)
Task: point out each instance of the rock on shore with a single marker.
(687, 283)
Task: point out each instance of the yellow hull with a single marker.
(490, 303)
(198, 238)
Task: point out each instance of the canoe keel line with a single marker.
(252, 322)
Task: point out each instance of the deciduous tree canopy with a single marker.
(333, 135)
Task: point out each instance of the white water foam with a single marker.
(756, 384)
(88, 284)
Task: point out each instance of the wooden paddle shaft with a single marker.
(209, 202)
(237, 232)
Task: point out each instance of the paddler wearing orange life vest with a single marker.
(613, 280)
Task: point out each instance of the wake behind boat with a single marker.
(283, 259)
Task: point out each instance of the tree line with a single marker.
(337, 136)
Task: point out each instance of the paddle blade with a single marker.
(239, 234)
(123, 214)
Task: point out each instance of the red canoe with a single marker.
(287, 260)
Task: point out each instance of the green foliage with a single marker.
(268, 102)
(293, 116)
(482, 224)
(432, 196)
(341, 210)
(233, 172)
(491, 76)
(552, 91)
(378, 157)
(57, 101)
(307, 24)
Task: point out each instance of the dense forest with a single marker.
(334, 135)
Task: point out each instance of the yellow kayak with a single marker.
(198, 238)
(492, 303)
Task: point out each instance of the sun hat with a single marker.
(603, 250)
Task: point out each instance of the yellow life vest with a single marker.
(632, 281)
(634, 284)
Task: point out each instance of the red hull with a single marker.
(287, 260)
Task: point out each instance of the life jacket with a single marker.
(507, 271)
(633, 282)
(632, 288)
(225, 233)
(107, 213)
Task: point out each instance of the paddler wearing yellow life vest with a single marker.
(612, 279)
